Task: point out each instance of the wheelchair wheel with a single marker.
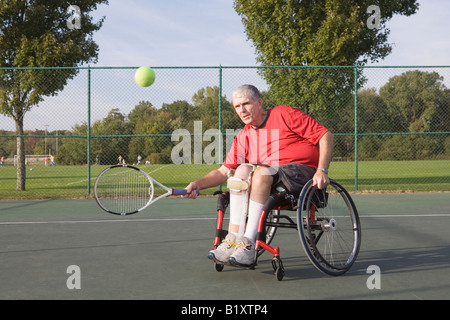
(329, 227)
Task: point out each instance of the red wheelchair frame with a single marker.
(314, 224)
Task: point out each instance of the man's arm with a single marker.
(212, 179)
(321, 179)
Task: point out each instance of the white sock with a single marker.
(254, 213)
(238, 212)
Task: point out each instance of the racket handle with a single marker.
(181, 192)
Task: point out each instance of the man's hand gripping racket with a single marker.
(124, 190)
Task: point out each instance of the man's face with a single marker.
(250, 111)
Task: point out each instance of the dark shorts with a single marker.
(292, 177)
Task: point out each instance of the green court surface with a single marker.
(161, 253)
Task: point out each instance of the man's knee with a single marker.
(262, 177)
(240, 180)
(244, 171)
(246, 175)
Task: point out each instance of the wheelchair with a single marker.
(327, 223)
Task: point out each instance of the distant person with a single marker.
(2, 161)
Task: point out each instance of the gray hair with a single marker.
(247, 90)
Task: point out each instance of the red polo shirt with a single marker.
(287, 135)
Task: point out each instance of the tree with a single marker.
(373, 114)
(142, 114)
(419, 100)
(36, 34)
(115, 126)
(206, 101)
(373, 117)
(416, 101)
(74, 150)
(316, 33)
(182, 114)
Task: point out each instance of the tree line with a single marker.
(414, 105)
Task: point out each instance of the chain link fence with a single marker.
(394, 135)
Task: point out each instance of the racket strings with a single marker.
(124, 191)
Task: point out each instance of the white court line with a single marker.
(405, 215)
(195, 219)
(162, 167)
(93, 178)
(102, 221)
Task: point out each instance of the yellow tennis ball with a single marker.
(144, 76)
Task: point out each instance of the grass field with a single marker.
(72, 181)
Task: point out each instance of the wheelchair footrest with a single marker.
(222, 263)
(277, 264)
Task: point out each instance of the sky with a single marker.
(210, 33)
(204, 33)
(172, 33)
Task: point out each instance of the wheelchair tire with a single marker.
(329, 227)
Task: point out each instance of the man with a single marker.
(280, 147)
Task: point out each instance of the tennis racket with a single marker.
(125, 190)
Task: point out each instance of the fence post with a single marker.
(220, 114)
(356, 128)
(220, 121)
(89, 134)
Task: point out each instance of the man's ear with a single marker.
(260, 102)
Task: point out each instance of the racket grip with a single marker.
(181, 192)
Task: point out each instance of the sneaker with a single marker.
(223, 252)
(244, 254)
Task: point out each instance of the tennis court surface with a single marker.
(161, 253)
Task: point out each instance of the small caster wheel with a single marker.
(279, 273)
(277, 265)
(218, 267)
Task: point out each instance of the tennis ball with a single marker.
(144, 76)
